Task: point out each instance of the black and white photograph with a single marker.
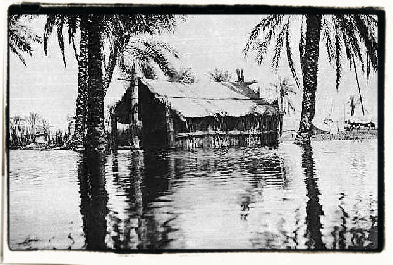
(150, 129)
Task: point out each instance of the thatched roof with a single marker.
(202, 99)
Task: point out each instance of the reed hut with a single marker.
(156, 113)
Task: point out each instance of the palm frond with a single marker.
(290, 60)
(338, 57)
(145, 51)
(358, 30)
(17, 53)
(73, 24)
(268, 26)
(367, 27)
(149, 23)
(49, 25)
(354, 39)
(60, 38)
(21, 37)
(157, 55)
(119, 31)
(327, 37)
(279, 45)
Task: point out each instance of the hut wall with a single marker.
(217, 132)
(156, 118)
(121, 120)
(225, 123)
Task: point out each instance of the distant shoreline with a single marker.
(343, 135)
(347, 135)
(44, 148)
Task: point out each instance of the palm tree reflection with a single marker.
(135, 226)
(146, 179)
(313, 208)
(159, 169)
(94, 198)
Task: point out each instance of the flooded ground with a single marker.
(318, 197)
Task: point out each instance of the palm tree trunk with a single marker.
(310, 75)
(81, 101)
(95, 138)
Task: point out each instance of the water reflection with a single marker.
(237, 198)
(313, 208)
(127, 233)
(94, 198)
(131, 219)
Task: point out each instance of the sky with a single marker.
(204, 42)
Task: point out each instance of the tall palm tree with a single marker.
(101, 32)
(21, 37)
(284, 89)
(346, 36)
(73, 23)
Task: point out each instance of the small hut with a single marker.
(156, 113)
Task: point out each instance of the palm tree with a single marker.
(21, 37)
(96, 69)
(45, 125)
(33, 120)
(351, 36)
(285, 89)
(73, 23)
(15, 134)
(219, 75)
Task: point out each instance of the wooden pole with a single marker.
(136, 123)
(170, 128)
(114, 129)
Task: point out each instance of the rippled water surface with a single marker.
(323, 196)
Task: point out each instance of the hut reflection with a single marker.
(313, 207)
(94, 198)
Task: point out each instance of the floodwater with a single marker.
(322, 196)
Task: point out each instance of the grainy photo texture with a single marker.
(152, 131)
